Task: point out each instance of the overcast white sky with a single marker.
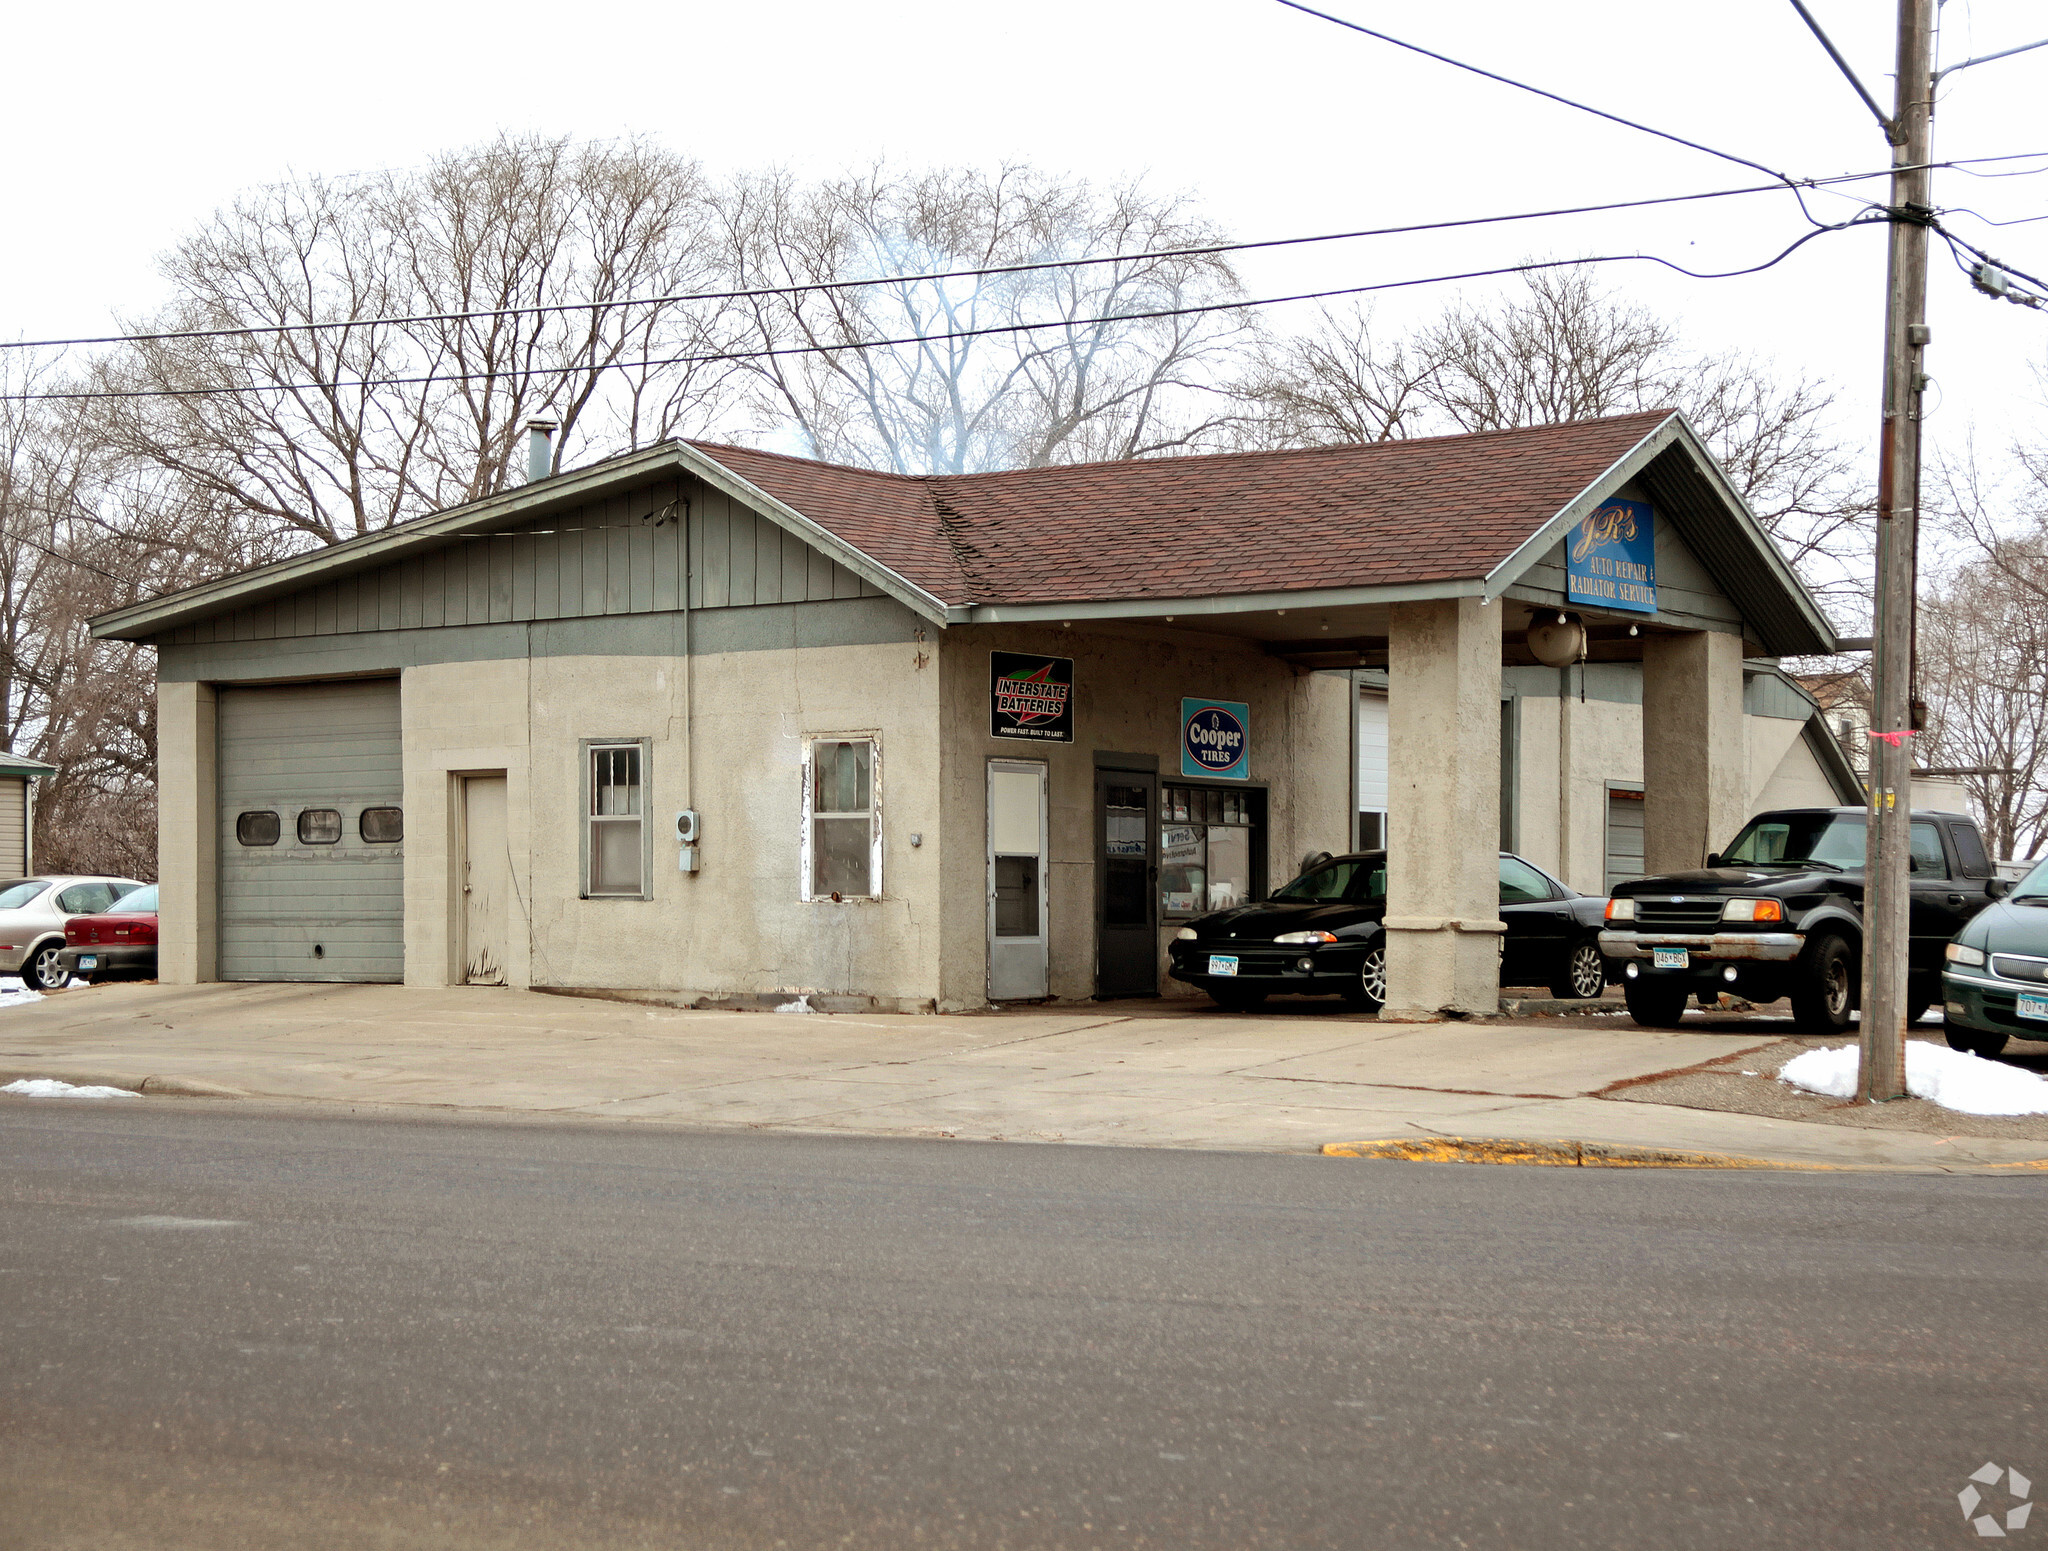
(145, 118)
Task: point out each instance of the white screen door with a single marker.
(1017, 961)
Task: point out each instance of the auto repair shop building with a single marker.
(715, 721)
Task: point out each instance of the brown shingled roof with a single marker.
(1432, 509)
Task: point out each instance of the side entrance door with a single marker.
(1018, 965)
(486, 880)
(1127, 886)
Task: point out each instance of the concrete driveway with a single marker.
(1144, 1074)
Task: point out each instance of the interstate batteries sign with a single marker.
(1216, 739)
(1611, 558)
(1031, 697)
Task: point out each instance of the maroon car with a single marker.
(121, 940)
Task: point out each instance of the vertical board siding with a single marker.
(618, 555)
(13, 825)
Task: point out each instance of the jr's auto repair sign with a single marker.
(1216, 739)
(1031, 697)
(1612, 559)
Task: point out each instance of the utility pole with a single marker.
(1886, 895)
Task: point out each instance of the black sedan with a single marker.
(1321, 935)
(1995, 983)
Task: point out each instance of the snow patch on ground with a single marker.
(14, 994)
(801, 1004)
(1968, 1084)
(51, 1088)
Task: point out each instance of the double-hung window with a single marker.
(842, 832)
(615, 819)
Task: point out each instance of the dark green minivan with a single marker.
(1995, 982)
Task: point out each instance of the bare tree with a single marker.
(77, 537)
(1565, 349)
(1337, 383)
(326, 433)
(1983, 669)
(985, 396)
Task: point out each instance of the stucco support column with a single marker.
(1695, 761)
(188, 840)
(1443, 796)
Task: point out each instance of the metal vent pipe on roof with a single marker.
(540, 450)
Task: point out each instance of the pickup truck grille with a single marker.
(1677, 915)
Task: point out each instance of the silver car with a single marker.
(32, 916)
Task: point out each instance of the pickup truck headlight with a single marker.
(1621, 910)
(1960, 954)
(1752, 910)
(1296, 939)
(1185, 934)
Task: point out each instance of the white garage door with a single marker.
(312, 868)
(1624, 835)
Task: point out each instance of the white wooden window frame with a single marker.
(591, 749)
(807, 848)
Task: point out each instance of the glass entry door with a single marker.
(1127, 875)
(1018, 968)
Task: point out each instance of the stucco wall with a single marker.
(1588, 743)
(738, 924)
(1128, 685)
(1783, 772)
(188, 833)
(464, 718)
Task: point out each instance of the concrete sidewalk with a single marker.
(1285, 1080)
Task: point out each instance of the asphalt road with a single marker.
(222, 1330)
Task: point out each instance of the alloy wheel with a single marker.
(46, 969)
(1372, 976)
(1588, 971)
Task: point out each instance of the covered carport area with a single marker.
(1442, 561)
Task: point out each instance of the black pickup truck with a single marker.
(1780, 913)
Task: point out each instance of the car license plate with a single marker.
(2034, 1007)
(1669, 958)
(92, 961)
(1226, 964)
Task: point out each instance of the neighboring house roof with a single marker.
(1848, 689)
(1382, 522)
(15, 765)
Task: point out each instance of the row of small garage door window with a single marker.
(321, 826)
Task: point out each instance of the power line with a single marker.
(1971, 162)
(855, 346)
(765, 292)
(83, 565)
(1993, 276)
(2020, 220)
(1955, 241)
(1583, 107)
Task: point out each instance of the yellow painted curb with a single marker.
(1553, 1155)
(1600, 1155)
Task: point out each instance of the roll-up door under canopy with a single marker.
(303, 894)
(1624, 835)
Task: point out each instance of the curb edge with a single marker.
(1567, 1153)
